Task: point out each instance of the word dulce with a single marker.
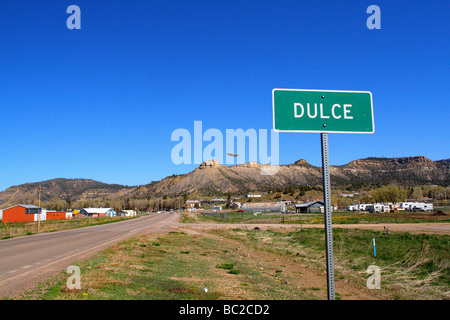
(337, 111)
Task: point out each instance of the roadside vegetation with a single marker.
(339, 217)
(412, 266)
(256, 264)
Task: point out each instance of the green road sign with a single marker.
(332, 111)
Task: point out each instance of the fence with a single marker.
(222, 215)
(13, 229)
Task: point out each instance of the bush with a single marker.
(226, 266)
(234, 271)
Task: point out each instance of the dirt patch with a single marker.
(186, 279)
(439, 213)
(181, 290)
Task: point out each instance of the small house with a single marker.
(193, 203)
(99, 212)
(126, 213)
(310, 207)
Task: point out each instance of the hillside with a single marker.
(76, 189)
(212, 178)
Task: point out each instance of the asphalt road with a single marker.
(28, 260)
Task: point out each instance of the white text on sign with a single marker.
(337, 111)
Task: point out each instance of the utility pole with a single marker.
(28, 220)
(40, 188)
(39, 214)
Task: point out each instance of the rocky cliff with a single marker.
(212, 178)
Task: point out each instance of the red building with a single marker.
(21, 213)
(53, 215)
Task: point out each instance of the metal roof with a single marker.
(26, 206)
(262, 204)
(97, 210)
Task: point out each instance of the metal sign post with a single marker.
(328, 224)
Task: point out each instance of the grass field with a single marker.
(250, 264)
(337, 217)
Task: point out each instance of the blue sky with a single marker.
(102, 102)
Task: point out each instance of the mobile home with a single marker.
(377, 208)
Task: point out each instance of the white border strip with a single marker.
(323, 131)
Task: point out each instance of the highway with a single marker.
(28, 260)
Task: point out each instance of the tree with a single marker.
(388, 193)
(228, 205)
(417, 193)
(69, 201)
(127, 203)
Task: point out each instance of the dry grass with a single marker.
(268, 265)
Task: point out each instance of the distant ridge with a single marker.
(73, 189)
(211, 178)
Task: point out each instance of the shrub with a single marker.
(226, 266)
(234, 271)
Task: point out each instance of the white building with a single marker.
(264, 206)
(417, 206)
(99, 212)
(192, 203)
(127, 213)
